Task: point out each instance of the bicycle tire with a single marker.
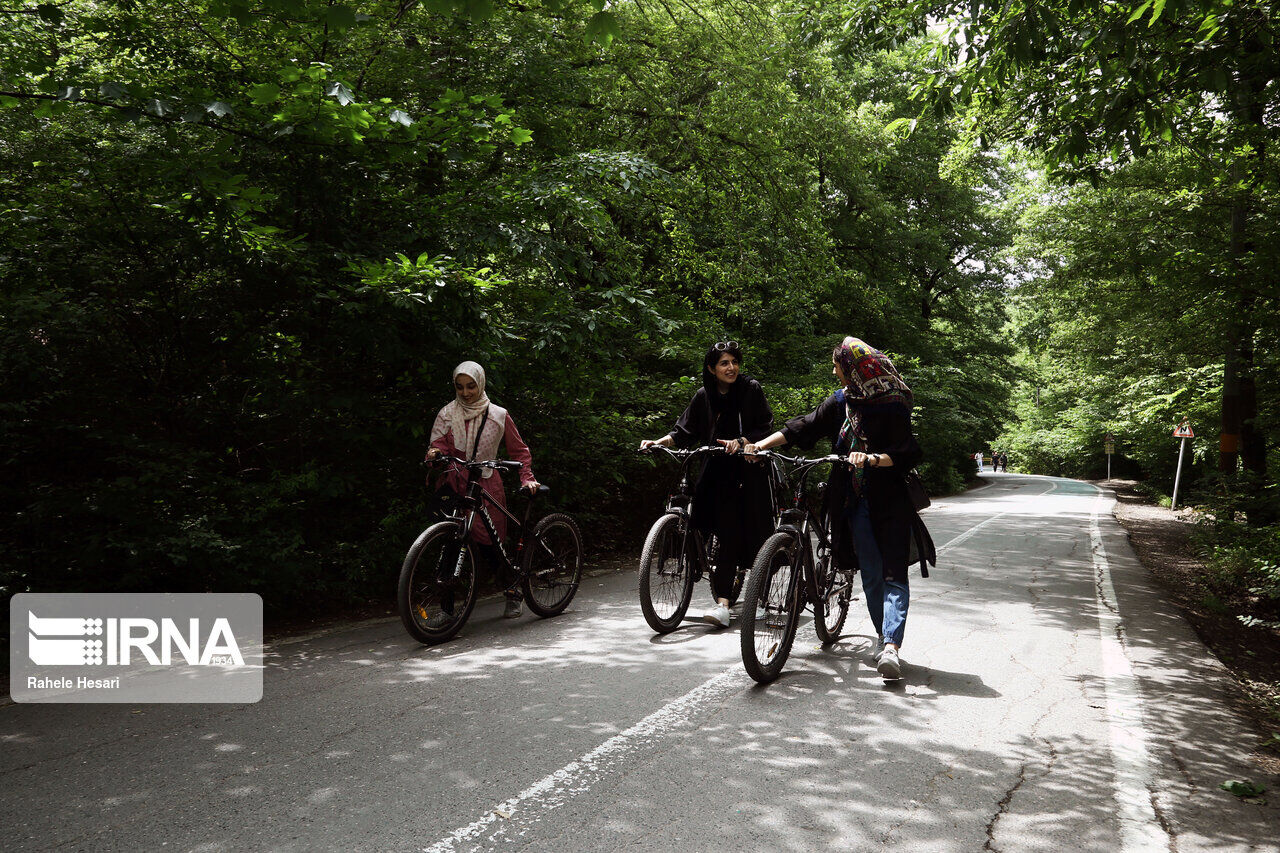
(774, 585)
(422, 595)
(831, 604)
(672, 584)
(552, 565)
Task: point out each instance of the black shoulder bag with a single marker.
(915, 489)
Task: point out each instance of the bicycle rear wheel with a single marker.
(831, 606)
(552, 565)
(437, 587)
(773, 588)
(666, 574)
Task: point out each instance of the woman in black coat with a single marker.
(869, 419)
(732, 498)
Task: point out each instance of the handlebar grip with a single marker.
(510, 465)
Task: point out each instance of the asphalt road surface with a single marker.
(1052, 700)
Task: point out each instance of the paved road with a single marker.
(1052, 701)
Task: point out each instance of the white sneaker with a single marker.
(718, 615)
(889, 667)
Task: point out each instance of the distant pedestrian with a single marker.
(977, 457)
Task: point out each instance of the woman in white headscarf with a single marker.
(471, 427)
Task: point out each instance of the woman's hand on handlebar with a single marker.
(872, 460)
(649, 444)
(531, 488)
(732, 445)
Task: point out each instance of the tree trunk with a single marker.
(1229, 440)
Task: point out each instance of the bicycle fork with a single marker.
(462, 544)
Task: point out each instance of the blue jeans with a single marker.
(887, 600)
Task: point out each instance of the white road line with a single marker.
(552, 791)
(1140, 832)
(958, 540)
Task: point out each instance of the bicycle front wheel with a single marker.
(666, 574)
(771, 607)
(552, 565)
(437, 585)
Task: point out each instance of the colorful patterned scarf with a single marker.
(873, 380)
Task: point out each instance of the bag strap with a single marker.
(475, 448)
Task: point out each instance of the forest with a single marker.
(244, 242)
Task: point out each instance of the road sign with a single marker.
(1182, 431)
(1111, 447)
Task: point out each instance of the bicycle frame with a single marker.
(802, 521)
(678, 504)
(476, 500)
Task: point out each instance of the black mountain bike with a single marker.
(675, 555)
(794, 567)
(438, 580)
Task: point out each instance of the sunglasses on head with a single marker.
(727, 346)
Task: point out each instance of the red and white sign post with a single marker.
(1182, 431)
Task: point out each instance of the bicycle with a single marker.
(675, 556)
(787, 575)
(437, 588)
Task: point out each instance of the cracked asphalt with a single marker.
(586, 732)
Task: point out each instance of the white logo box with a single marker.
(135, 647)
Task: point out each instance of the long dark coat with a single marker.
(732, 498)
(899, 533)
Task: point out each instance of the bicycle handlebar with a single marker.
(802, 460)
(496, 464)
(683, 454)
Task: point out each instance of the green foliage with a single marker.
(1243, 788)
(244, 244)
(1244, 563)
(1123, 322)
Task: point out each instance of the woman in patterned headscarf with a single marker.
(471, 427)
(869, 420)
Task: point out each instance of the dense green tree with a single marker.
(245, 242)
(1092, 85)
